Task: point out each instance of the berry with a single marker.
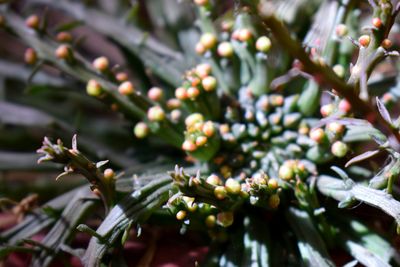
(180, 215)
(33, 22)
(109, 174)
(30, 56)
(225, 49)
(101, 64)
(263, 44)
(209, 83)
(213, 179)
(93, 88)
(155, 94)
(141, 130)
(156, 114)
(339, 149)
(208, 40)
(364, 40)
(126, 88)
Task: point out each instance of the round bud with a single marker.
(210, 221)
(193, 92)
(30, 56)
(109, 174)
(33, 22)
(377, 22)
(101, 64)
(225, 219)
(63, 52)
(64, 37)
(141, 130)
(126, 88)
(193, 118)
(318, 135)
(386, 43)
(173, 103)
(201, 141)
(286, 172)
(155, 94)
(93, 88)
(180, 215)
(327, 110)
(208, 129)
(225, 49)
(176, 114)
(201, 2)
(364, 40)
(273, 184)
(227, 25)
(203, 70)
(189, 146)
(220, 192)
(213, 179)
(181, 93)
(336, 128)
(341, 30)
(156, 114)
(339, 70)
(344, 106)
(121, 76)
(232, 186)
(208, 40)
(339, 149)
(263, 44)
(209, 83)
(200, 49)
(273, 201)
(245, 35)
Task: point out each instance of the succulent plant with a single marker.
(267, 134)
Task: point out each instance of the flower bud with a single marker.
(336, 128)
(364, 40)
(181, 215)
(203, 70)
(189, 146)
(273, 184)
(210, 221)
(232, 186)
(344, 106)
(341, 30)
(64, 37)
(386, 43)
(213, 179)
(225, 219)
(33, 22)
(141, 130)
(156, 114)
(121, 76)
(377, 22)
(93, 88)
(220, 192)
(63, 52)
(339, 149)
(227, 25)
(286, 172)
(126, 88)
(225, 49)
(30, 56)
(208, 40)
(208, 129)
(318, 135)
(193, 118)
(245, 35)
(176, 115)
(193, 92)
(101, 64)
(155, 94)
(263, 44)
(327, 110)
(201, 2)
(200, 49)
(201, 141)
(109, 174)
(209, 83)
(181, 93)
(339, 70)
(273, 201)
(173, 103)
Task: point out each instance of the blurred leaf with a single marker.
(69, 25)
(362, 157)
(383, 111)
